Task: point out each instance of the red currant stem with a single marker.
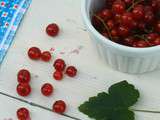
(148, 31)
(35, 105)
(133, 4)
(104, 24)
(144, 38)
(144, 111)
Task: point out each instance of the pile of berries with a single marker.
(24, 76)
(134, 23)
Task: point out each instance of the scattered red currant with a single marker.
(23, 114)
(23, 76)
(23, 89)
(46, 56)
(59, 106)
(71, 71)
(47, 89)
(59, 65)
(52, 29)
(58, 75)
(34, 53)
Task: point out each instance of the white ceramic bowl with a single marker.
(122, 58)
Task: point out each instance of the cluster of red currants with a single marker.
(24, 76)
(134, 23)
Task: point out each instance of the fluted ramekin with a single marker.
(122, 58)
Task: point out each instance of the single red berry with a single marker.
(138, 12)
(34, 53)
(118, 7)
(140, 44)
(156, 41)
(23, 76)
(127, 19)
(105, 14)
(128, 41)
(149, 17)
(114, 32)
(110, 24)
(59, 65)
(46, 56)
(128, 2)
(71, 71)
(152, 36)
(123, 31)
(23, 114)
(23, 89)
(155, 5)
(59, 106)
(52, 29)
(58, 75)
(47, 89)
(118, 18)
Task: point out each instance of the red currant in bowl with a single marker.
(23, 76)
(124, 46)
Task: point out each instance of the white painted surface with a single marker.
(94, 76)
(9, 107)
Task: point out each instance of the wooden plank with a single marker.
(9, 107)
(74, 45)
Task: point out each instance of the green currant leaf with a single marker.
(113, 105)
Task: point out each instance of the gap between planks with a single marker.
(36, 105)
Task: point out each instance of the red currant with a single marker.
(47, 89)
(105, 14)
(23, 89)
(52, 29)
(34, 53)
(114, 32)
(58, 75)
(149, 17)
(127, 19)
(23, 114)
(118, 7)
(152, 36)
(46, 56)
(128, 2)
(123, 31)
(23, 76)
(110, 24)
(71, 71)
(59, 65)
(128, 41)
(138, 12)
(156, 41)
(59, 106)
(140, 44)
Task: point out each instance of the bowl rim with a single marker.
(120, 47)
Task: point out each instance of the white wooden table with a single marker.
(74, 45)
